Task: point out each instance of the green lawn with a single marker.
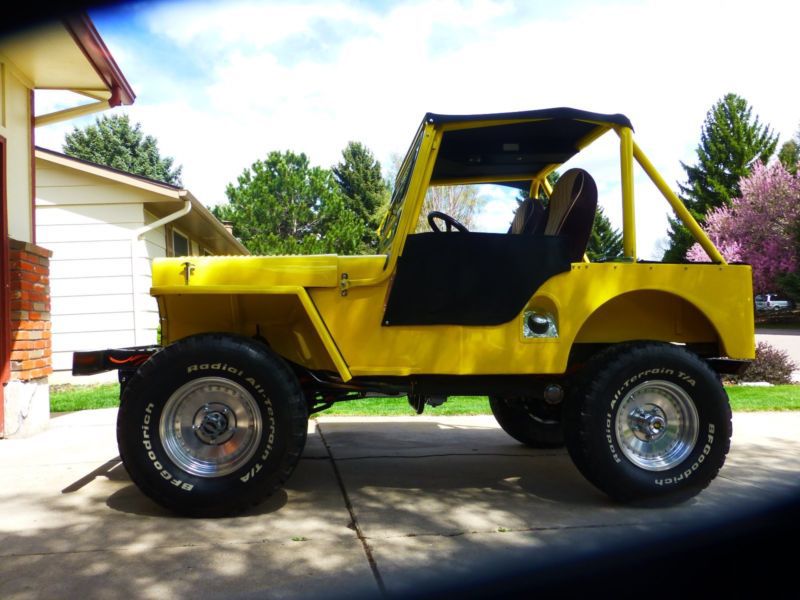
(743, 398)
(397, 407)
(778, 397)
(68, 398)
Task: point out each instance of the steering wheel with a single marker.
(449, 222)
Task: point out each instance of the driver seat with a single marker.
(571, 210)
(529, 218)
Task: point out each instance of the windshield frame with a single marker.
(394, 213)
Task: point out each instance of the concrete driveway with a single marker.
(376, 505)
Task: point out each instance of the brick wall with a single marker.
(30, 311)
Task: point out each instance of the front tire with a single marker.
(211, 425)
(649, 423)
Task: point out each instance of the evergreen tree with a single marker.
(282, 205)
(114, 142)
(605, 242)
(366, 193)
(730, 142)
(552, 179)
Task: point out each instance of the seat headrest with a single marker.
(572, 208)
(567, 191)
(528, 218)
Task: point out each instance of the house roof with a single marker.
(161, 199)
(68, 54)
(140, 181)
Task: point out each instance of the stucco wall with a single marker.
(15, 127)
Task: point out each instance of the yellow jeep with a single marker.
(619, 360)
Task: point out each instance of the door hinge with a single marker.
(187, 272)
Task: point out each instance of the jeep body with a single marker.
(617, 359)
(333, 314)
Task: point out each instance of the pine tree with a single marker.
(730, 142)
(114, 142)
(283, 205)
(359, 178)
(605, 242)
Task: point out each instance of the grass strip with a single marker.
(68, 398)
(745, 398)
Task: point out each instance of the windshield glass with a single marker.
(479, 207)
(401, 184)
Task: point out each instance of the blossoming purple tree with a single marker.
(761, 227)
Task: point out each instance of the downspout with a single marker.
(135, 237)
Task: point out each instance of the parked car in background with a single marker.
(772, 302)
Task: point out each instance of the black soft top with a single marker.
(561, 112)
(516, 149)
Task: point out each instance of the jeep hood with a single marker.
(243, 273)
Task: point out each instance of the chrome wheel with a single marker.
(210, 427)
(657, 425)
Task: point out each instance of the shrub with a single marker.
(771, 364)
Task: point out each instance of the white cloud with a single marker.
(311, 76)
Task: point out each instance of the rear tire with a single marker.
(648, 423)
(211, 425)
(529, 421)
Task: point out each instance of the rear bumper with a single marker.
(99, 361)
(728, 366)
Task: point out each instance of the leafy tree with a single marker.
(282, 205)
(730, 142)
(760, 228)
(789, 282)
(365, 191)
(462, 202)
(605, 242)
(789, 154)
(114, 142)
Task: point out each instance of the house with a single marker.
(68, 55)
(104, 227)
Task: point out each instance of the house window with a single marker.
(180, 244)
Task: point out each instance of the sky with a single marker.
(221, 84)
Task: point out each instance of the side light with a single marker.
(538, 324)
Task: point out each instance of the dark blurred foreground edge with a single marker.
(750, 554)
(30, 14)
